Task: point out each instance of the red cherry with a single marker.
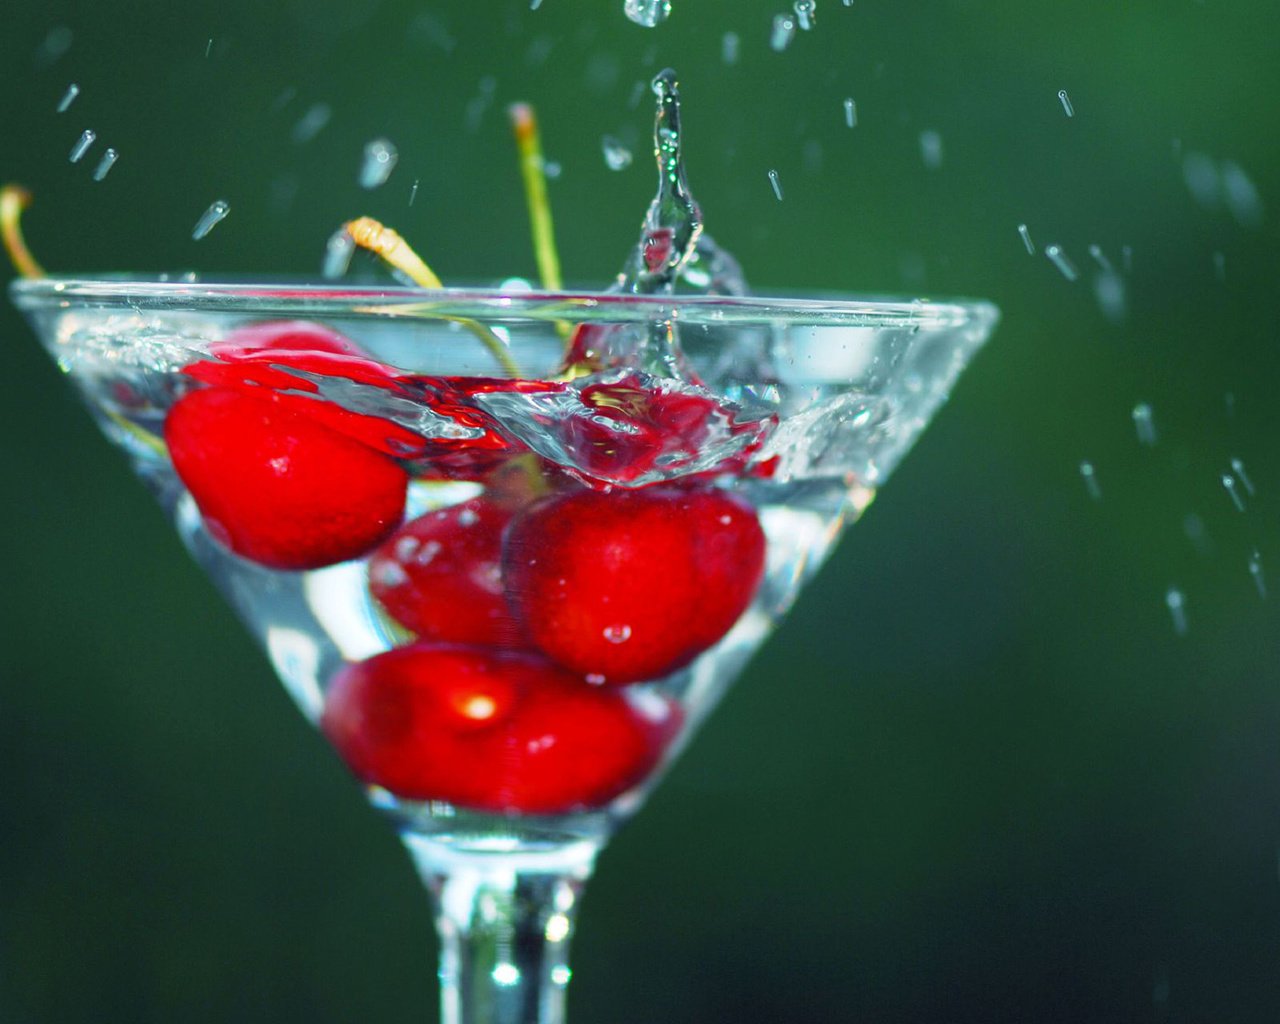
(632, 585)
(501, 731)
(440, 576)
(277, 487)
(289, 335)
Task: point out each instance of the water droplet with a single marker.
(283, 98)
(1067, 108)
(1220, 266)
(1144, 424)
(617, 634)
(1193, 527)
(68, 98)
(647, 12)
(413, 192)
(1200, 173)
(1025, 235)
(217, 211)
(931, 149)
(1229, 400)
(805, 10)
(54, 45)
(107, 162)
(730, 45)
(1237, 467)
(616, 156)
(534, 4)
(337, 254)
(1090, 477)
(1242, 196)
(776, 185)
(208, 49)
(784, 30)
(1255, 570)
(379, 161)
(82, 145)
(1109, 291)
(1229, 482)
(1100, 258)
(312, 122)
(1126, 258)
(552, 169)
(850, 112)
(1059, 259)
(1176, 602)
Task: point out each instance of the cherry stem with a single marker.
(524, 123)
(13, 200)
(388, 244)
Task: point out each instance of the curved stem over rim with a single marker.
(13, 200)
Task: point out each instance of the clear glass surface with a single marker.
(683, 476)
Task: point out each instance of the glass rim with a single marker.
(303, 298)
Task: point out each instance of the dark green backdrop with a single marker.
(976, 777)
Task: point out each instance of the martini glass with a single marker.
(507, 590)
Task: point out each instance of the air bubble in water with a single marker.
(1144, 424)
(107, 162)
(804, 13)
(730, 45)
(1059, 259)
(379, 161)
(850, 112)
(1090, 477)
(337, 254)
(312, 122)
(784, 30)
(1025, 235)
(68, 98)
(647, 12)
(1067, 108)
(217, 211)
(616, 156)
(82, 145)
(775, 184)
(931, 149)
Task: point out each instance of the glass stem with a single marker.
(505, 920)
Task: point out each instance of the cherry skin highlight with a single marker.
(497, 731)
(632, 585)
(440, 576)
(277, 487)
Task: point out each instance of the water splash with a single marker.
(1025, 235)
(1090, 477)
(82, 145)
(1144, 424)
(380, 157)
(107, 162)
(68, 98)
(669, 234)
(647, 12)
(617, 157)
(776, 184)
(1059, 259)
(1065, 100)
(216, 213)
(850, 112)
(1176, 602)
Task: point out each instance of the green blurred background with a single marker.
(977, 776)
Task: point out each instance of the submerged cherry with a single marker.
(440, 576)
(277, 487)
(500, 731)
(632, 585)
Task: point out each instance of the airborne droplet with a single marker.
(82, 145)
(107, 162)
(1067, 108)
(68, 98)
(784, 30)
(217, 212)
(647, 12)
(1176, 602)
(379, 161)
(1059, 259)
(616, 156)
